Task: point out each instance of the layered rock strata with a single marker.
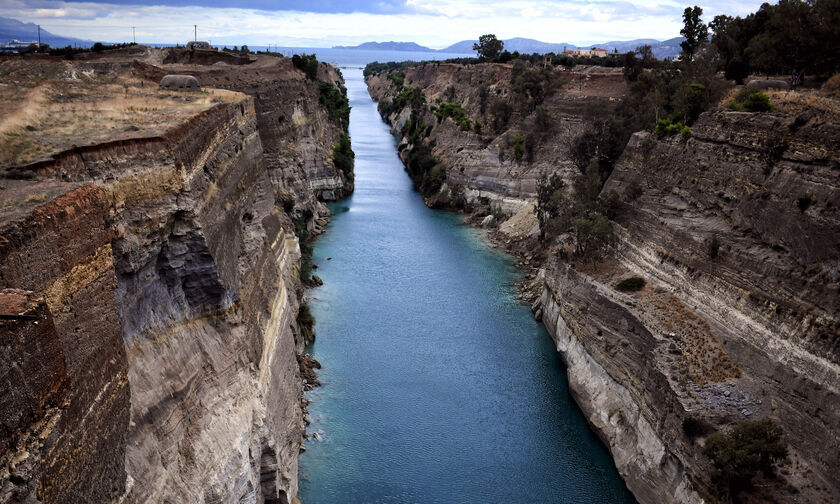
(735, 232)
(149, 311)
(483, 164)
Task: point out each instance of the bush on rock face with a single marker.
(758, 102)
(750, 448)
(631, 284)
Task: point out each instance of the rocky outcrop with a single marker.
(296, 133)
(735, 233)
(149, 311)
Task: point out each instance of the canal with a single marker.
(438, 385)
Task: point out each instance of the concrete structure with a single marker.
(594, 52)
(198, 44)
(187, 82)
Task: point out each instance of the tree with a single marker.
(488, 47)
(694, 30)
(593, 234)
(549, 195)
(787, 42)
(750, 447)
(308, 63)
(645, 53)
(728, 40)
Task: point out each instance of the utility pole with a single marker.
(195, 27)
(133, 35)
(39, 36)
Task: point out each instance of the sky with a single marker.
(324, 23)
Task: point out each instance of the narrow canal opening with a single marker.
(438, 385)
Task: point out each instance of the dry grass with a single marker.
(797, 102)
(702, 359)
(82, 109)
(36, 198)
(825, 103)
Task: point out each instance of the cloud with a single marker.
(436, 23)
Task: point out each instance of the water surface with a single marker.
(439, 387)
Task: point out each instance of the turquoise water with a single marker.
(439, 387)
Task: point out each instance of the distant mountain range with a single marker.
(661, 49)
(12, 29)
(388, 46)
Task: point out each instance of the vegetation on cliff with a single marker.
(343, 156)
(337, 105)
(581, 214)
(749, 449)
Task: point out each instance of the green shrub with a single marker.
(518, 152)
(733, 105)
(692, 427)
(414, 129)
(397, 77)
(714, 248)
(594, 234)
(751, 447)
(665, 127)
(804, 202)
(450, 109)
(758, 102)
(631, 284)
(477, 126)
(308, 63)
(411, 96)
(305, 319)
(335, 103)
(690, 101)
(634, 191)
(305, 240)
(686, 132)
(343, 156)
(500, 111)
(433, 181)
(465, 124)
(426, 172)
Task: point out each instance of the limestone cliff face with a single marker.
(735, 231)
(151, 353)
(740, 224)
(296, 133)
(484, 164)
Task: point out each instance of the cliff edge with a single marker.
(152, 279)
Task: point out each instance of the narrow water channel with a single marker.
(439, 387)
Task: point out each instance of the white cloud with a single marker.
(435, 23)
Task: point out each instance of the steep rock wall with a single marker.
(168, 315)
(722, 222)
(483, 164)
(748, 333)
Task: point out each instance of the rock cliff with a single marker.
(735, 233)
(484, 164)
(150, 294)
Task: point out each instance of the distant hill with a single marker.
(12, 29)
(664, 49)
(523, 45)
(388, 46)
